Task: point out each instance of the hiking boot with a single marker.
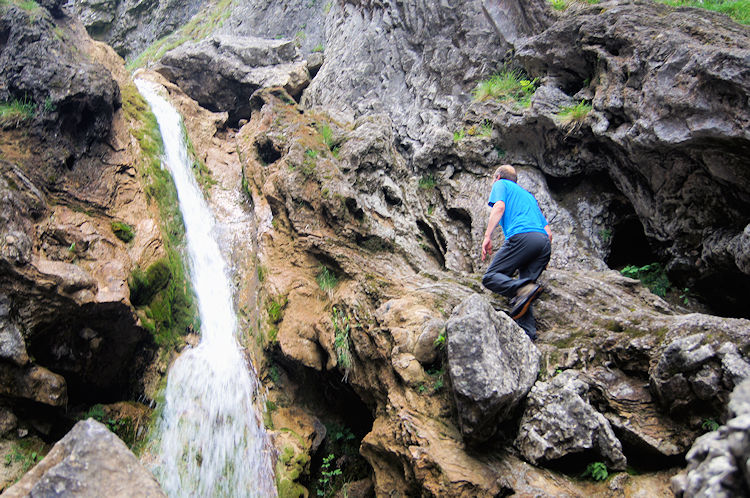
(520, 304)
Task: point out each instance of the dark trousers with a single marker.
(528, 253)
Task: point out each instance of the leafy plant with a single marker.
(326, 132)
(328, 476)
(739, 10)
(427, 182)
(275, 309)
(318, 48)
(438, 378)
(559, 4)
(596, 471)
(605, 234)
(505, 85)
(123, 231)
(459, 135)
(573, 114)
(653, 276)
(312, 154)
(685, 296)
(710, 425)
(441, 339)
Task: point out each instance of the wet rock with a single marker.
(559, 421)
(492, 366)
(34, 382)
(89, 461)
(223, 72)
(718, 464)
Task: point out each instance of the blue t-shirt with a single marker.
(522, 213)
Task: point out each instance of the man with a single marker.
(526, 248)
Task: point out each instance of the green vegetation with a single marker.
(123, 231)
(318, 48)
(438, 378)
(440, 341)
(163, 299)
(505, 85)
(341, 329)
(564, 4)
(200, 170)
(15, 112)
(197, 28)
(596, 471)
(275, 309)
(327, 478)
(605, 234)
(427, 182)
(653, 276)
(312, 154)
(28, 452)
(124, 427)
(572, 114)
(459, 135)
(327, 279)
(739, 10)
(710, 425)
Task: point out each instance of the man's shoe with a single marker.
(520, 304)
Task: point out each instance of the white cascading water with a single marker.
(211, 439)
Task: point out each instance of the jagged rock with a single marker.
(12, 346)
(34, 383)
(223, 72)
(89, 461)
(74, 97)
(559, 421)
(718, 464)
(8, 421)
(492, 365)
(635, 418)
(691, 371)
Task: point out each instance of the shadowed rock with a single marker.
(492, 365)
(89, 461)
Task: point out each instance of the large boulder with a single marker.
(559, 421)
(222, 72)
(89, 461)
(492, 365)
(718, 465)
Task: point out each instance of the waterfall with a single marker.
(211, 440)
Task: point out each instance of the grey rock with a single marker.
(12, 345)
(89, 461)
(718, 464)
(559, 421)
(492, 365)
(425, 350)
(223, 72)
(34, 382)
(8, 421)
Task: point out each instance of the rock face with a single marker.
(222, 72)
(559, 421)
(89, 461)
(719, 462)
(492, 364)
(74, 98)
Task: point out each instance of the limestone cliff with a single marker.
(357, 183)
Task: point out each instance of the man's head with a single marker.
(506, 172)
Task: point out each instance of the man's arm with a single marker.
(497, 212)
(549, 232)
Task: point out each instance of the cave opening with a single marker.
(629, 244)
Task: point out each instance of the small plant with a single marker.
(328, 477)
(262, 271)
(341, 329)
(710, 425)
(559, 4)
(505, 85)
(327, 8)
(597, 471)
(653, 276)
(430, 210)
(318, 48)
(123, 231)
(427, 182)
(274, 374)
(685, 296)
(312, 154)
(739, 10)
(441, 339)
(459, 135)
(485, 129)
(72, 247)
(605, 234)
(15, 112)
(438, 378)
(49, 106)
(326, 279)
(326, 132)
(275, 309)
(573, 114)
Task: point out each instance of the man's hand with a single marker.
(486, 247)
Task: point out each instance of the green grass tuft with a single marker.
(17, 111)
(427, 182)
(739, 10)
(123, 231)
(326, 279)
(574, 113)
(505, 85)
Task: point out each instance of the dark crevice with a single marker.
(267, 151)
(434, 247)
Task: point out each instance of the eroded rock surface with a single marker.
(492, 364)
(89, 461)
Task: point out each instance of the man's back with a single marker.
(522, 213)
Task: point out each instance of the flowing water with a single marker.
(211, 441)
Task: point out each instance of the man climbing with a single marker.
(526, 248)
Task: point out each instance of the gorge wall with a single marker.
(355, 142)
